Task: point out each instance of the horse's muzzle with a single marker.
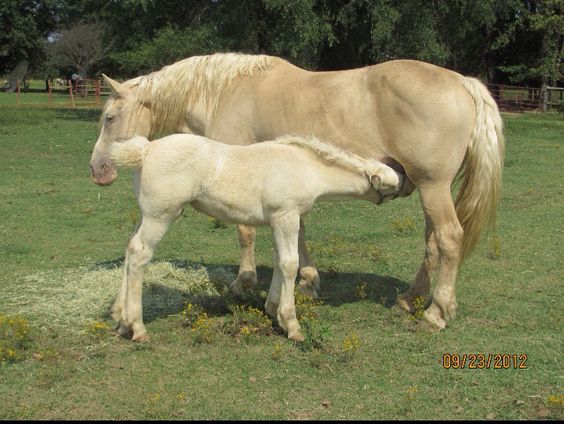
(103, 175)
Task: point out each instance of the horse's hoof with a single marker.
(433, 316)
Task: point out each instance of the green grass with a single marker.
(59, 230)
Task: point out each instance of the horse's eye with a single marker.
(110, 118)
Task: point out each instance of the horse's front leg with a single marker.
(285, 232)
(247, 277)
(309, 277)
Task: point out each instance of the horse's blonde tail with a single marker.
(129, 153)
(480, 189)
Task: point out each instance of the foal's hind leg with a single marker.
(309, 278)
(422, 284)
(285, 232)
(247, 277)
(439, 210)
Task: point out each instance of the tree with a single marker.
(25, 23)
(530, 48)
(79, 49)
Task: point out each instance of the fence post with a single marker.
(18, 100)
(70, 92)
(544, 98)
(97, 91)
(50, 94)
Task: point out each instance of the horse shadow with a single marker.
(337, 288)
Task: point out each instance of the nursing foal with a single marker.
(271, 183)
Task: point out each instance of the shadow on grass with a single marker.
(337, 288)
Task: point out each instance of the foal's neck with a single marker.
(345, 184)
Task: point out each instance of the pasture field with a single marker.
(63, 240)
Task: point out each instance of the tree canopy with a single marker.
(513, 41)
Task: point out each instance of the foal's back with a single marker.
(243, 184)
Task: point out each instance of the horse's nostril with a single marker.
(103, 167)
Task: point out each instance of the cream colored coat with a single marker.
(429, 123)
(253, 185)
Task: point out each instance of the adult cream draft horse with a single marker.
(427, 122)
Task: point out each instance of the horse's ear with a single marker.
(116, 87)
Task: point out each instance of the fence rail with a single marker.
(82, 93)
(517, 99)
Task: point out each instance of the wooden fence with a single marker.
(518, 99)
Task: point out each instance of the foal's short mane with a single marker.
(333, 155)
(173, 89)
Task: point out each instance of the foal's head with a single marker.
(124, 116)
(387, 182)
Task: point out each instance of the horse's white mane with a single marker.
(176, 87)
(333, 155)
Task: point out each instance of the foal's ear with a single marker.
(116, 87)
(386, 180)
(376, 181)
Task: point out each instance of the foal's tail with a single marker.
(129, 153)
(480, 189)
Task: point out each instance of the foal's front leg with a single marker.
(119, 304)
(139, 253)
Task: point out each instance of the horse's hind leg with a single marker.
(309, 278)
(422, 284)
(440, 212)
(247, 276)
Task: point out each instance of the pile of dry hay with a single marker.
(72, 297)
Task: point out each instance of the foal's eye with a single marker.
(110, 118)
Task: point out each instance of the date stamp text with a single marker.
(478, 361)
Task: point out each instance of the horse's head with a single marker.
(124, 116)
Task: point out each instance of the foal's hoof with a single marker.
(297, 336)
(404, 302)
(246, 280)
(122, 331)
(309, 282)
(141, 338)
(271, 308)
(307, 289)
